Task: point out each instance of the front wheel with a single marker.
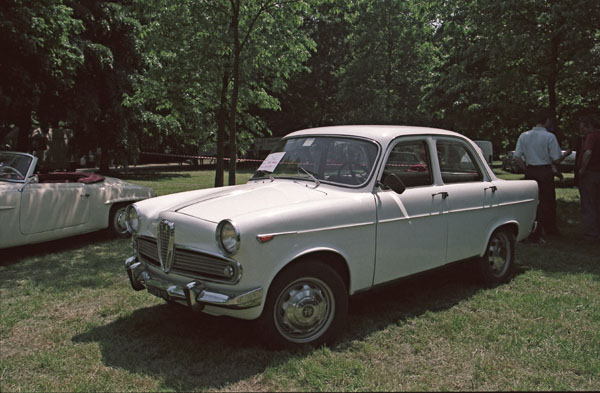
(497, 264)
(306, 305)
(117, 217)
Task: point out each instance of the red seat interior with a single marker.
(70, 177)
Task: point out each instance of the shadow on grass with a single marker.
(566, 253)
(85, 261)
(187, 351)
(190, 351)
(10, 256)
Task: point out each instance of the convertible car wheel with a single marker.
(117, 220)
(497, 264)
(306, 304)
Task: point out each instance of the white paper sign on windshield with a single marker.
(271, 162)
(308, 142)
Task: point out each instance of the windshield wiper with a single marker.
(317, 182)
(260, 174)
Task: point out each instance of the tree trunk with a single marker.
(234, 94)
(24, 125)
(103, 160)
(221, 126)
(552, 79)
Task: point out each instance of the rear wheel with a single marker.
(306, 305)
(117, 219)
(497, 264)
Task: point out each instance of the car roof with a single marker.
(381, 134)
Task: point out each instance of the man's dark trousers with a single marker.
(546, 211)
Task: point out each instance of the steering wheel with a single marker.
(13, 170)
(354, 170)
(347, 164)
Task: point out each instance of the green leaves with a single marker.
(185, 72)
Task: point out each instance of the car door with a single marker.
(411, 226)
(53, 206)
(470, 201)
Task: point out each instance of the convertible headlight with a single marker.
(133, 220)
(228, 237)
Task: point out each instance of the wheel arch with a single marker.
(511, 226)
(111, 211)
(272, 324)
(326, 256)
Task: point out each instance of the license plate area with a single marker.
(158, 292)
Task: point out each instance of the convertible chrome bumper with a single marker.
(194, 294)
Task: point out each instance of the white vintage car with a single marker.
(331, 212)
(39, 207)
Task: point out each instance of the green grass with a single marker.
(168, 182)
(69, 321)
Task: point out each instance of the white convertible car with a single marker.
(331, 212)
(39, 207)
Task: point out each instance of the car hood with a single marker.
(231, 202)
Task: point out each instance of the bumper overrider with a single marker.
(194, 294)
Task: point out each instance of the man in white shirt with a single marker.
(536, 151)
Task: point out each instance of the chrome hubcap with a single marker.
(499, 254)
(120, 224)
(304, 310)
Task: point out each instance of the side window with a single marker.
(410, 162)
(457, 163)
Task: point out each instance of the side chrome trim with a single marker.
(362, 224)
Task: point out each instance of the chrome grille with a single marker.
(148, 251)
(166, 243)
(190, 263)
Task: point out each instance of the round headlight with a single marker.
(228, 237)
(132, 221)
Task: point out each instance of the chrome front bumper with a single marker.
(194, 294)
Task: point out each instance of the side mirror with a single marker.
(391, 181)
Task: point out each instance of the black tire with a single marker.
(497, 265)
(307, 304)
(116, 220)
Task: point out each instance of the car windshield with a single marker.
(14, 166)
(339, 160)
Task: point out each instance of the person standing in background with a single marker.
(589, 179)
(537, 150)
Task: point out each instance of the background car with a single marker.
(509, 164)
(40, 207)
(331, 212)
(568, 164)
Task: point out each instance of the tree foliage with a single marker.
(501, 60)
(211, 76)
(219, 60)
(39, 59)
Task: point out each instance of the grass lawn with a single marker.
(69, 321)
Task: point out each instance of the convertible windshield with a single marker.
(14, 166)
(340, 160)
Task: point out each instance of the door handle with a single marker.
(85, 195)
(444, 194)
(493, 188)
